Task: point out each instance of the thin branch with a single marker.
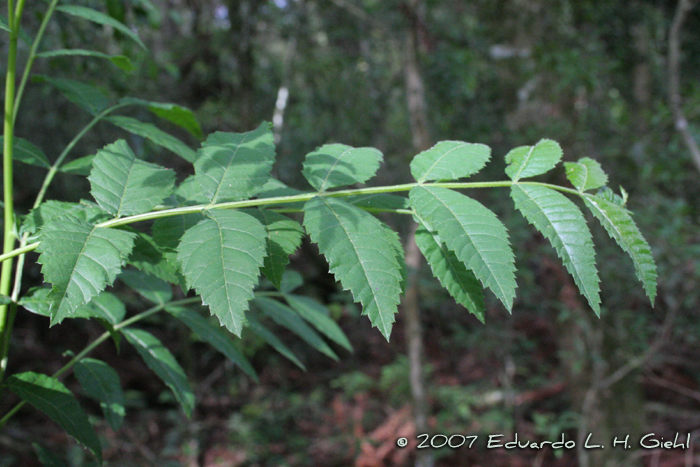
(674, 78)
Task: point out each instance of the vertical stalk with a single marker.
(9, 213)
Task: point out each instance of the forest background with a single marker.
(600, 77)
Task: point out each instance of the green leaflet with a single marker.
(619, 224)
(215, 336)
(101, 382)
(288, 318)
(449, 160)
(334, 165)
(161, 361)
(459, 281)
(317, 315)
(149, 287)
(283, 238)
(528, 161)
(83, 95)
(562, 223)
(378, 202)
(474, 233)
(100, 18)
(586, 174)
(80, 166)
(154, 134)
(360, 254)
(25, 152)
(221, 258)
(175, 114)
(168, 231)
(105, 306)
(122, 61)
(235, 166)
(124, 185)
(46, 457)
(80, 260)
(149, 257)
(46, 211)
(50, 396)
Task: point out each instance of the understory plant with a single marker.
(227, 231)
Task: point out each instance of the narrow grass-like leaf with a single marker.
(124, 185)
(154, 134)
(272, 340)
(528, 161)
(459, 281)
(176, 114)
(221, 258)
(586, 174)
(474, 233)
(122, 61)
(149, 287)
(83, 95)
(334, 165)
(449, 160)
(360, 254)
(619, 224)
(80, 260)
(25, 152)
(49, 395)
(100, 18)
(317, 315)
(161, 361)
(562, 223)
(215, 336)
(288, 318)
(235, 166)
(283, 238)
(101, 382)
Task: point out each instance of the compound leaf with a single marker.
(528, 161)
(101, 382)
(235, 166)
(474, 233)
(50, 396)
(334, 165)
(619, 224)
(360, 254)
(459, 281)
(449, 160)
(221, 258)
(163, 363)
(285, 316)
(215, 336)
(124, 185)
(274, 342)
(562, 223)
(100, 18)
(154, 134)
(586, 174)
(80, 260)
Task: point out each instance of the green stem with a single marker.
(9, 214)
(127, 322)
(295, 199)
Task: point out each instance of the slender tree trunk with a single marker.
(674, 79)
(417, 108)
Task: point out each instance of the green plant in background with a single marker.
(218, 230)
